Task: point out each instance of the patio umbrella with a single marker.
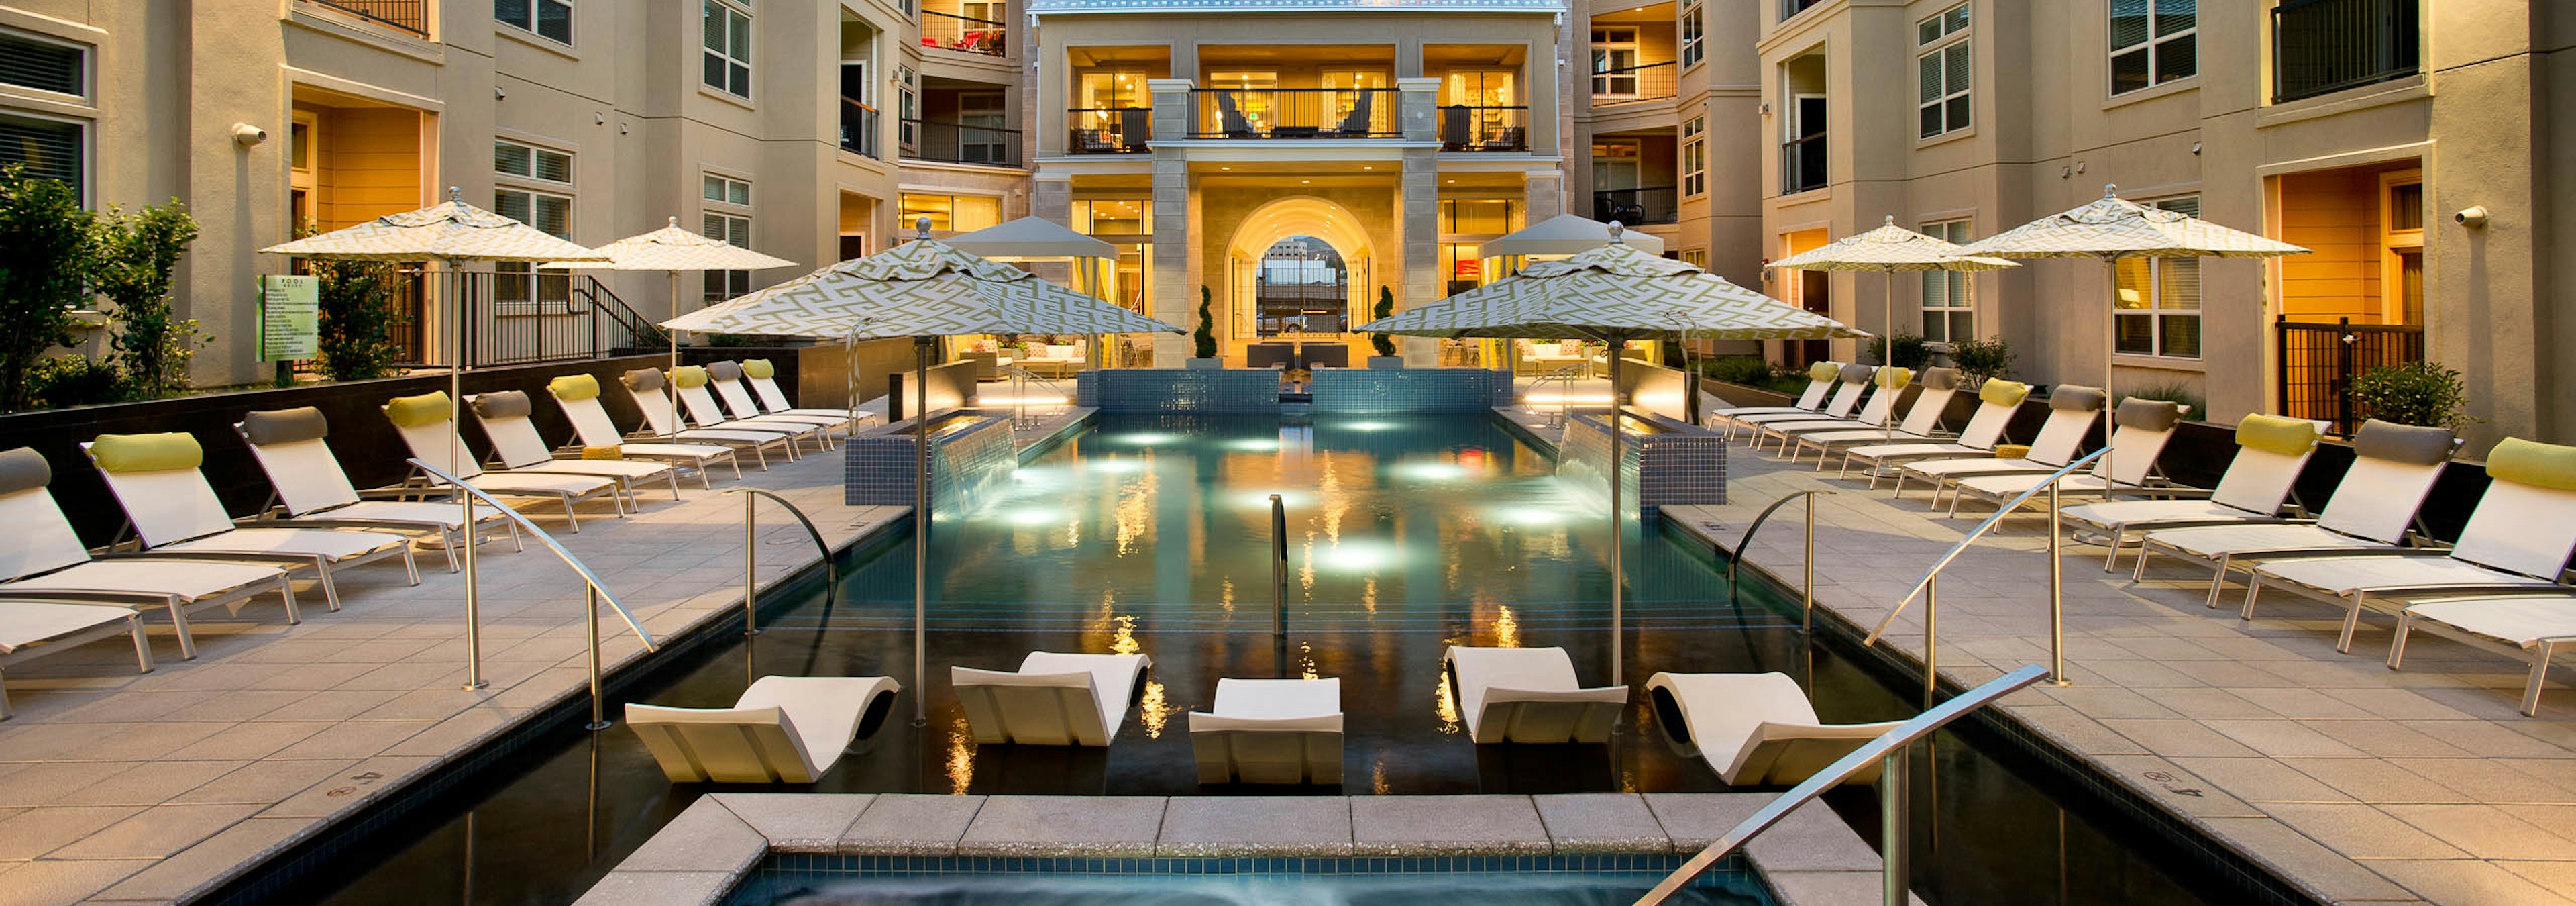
(1890, 249)
(1040, 239)
(923, 289)
(1614, 293)
(2111, 229)
(672, 250)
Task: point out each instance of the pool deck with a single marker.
(2355, 782)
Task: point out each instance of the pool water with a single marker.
(1470, 889)
(1151, 534)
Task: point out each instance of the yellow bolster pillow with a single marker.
(689, 376)
(574, 387)
(758, 369)
(611, 452)
(1895, 378)
(2002, 392)
(1824, 371)
(2533, 463)
(123, 453)
(415, 411)
(2274, 434)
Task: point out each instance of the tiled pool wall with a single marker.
(878, 467)
(1409, 390)
(1226, 391)
(1683, 465)
(780, 876)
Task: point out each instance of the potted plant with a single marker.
(1204, 338)
(1385, 345)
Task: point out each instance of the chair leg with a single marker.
(330, 589)
(411, 564)
(2397, 643)
(2145, 550)
(179, 622)
(674, 475)
(2111, 561)
(142, 644)
(2539, 674)
(2217, 580)
(2253, 589)
(736, 462)
(2351, 622)
(286, 592)
(570, 516)
(517, 545)
(447, 541)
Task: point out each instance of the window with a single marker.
(727, 38)
(980, 136)
(2159, 299)
(55, 149)
(1114, 217)
(2153, 42)
(1694, 156)
(515, 159)
(907, 109)
(1696, 258)
(957, 213)
(722, 285)
(518, 283)
(50, 66)
(726, 190)
(1942, 72)
(1478, 216)
(1949, 309)
(1614, 62)
(547, 18)
(1693, 29)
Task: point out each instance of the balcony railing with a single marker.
(1109, 130)
(1294, 113)
(958, 143)
(1465, 128)
(964, 33)
(1629, 84)
(2325, 46)
(1802, 164)
(1642, 205)
(859, 129)
(405, 15)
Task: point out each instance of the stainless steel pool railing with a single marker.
(594, 591)
(1807, 586)
(1564, 378)
(1279, 582)
(1893, 803)
(1929, 589)
(751, 553)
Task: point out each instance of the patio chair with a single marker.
(1922, 422)
(309, 486)
(1756, 729)
(2072, 412)
(1234, 125)
(423, 423)
(784, 729)
(1529, 695)
(2393, 468)
(692, 380)
(2518, 539)
(34, 629)
(726, 378)
(1997, 400)
(1852, 380)
(2534, 628)
(645, 387)
(1516, 138)
(2146, 426)
(578, 396)
(1889, 386)
(42, 558)
(1054, 699)
(1356, 125)
(1270, 731)
(762, 375)
(2271, 451)
(504, 415)
(173, 510)
(1822, 378)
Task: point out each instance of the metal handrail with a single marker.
(751, 552)
(1889, 750)
(595, 592)
(1806, 590)
(1020, 378)
(1929, 588)
(1565, 395)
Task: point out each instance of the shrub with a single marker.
(1204, 338)
(1384, 344)
(2175, 392)
(136, 253)
(1738, 369)
(356, 320)
(1982, 360)
(1910, 351)
(74, 381)
(2416, 393)
(47, 245)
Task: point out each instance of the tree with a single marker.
(136, 254)
(356, 317)
(1205, 337)
(1385, 309)
(47, 246)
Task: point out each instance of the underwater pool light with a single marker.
(1145, 438)
(1368, 425)
(1254, 444)
(1116, 466)
(1431, 471)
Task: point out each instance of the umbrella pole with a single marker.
(920, 529)
(2110, 349)
(1887, 341)
(1618, 556)
(672, 388)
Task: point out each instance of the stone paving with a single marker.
(2357, 783)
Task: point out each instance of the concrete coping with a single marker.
(1810, 858)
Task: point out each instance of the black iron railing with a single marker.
(958, 143)
(545, 316)
(1109, 130)
(859, 129)
(1295, 113)
(950, 31)
(405, 15)
(1647, 204)
(1628, 84)
(2325, 46)
(1802, 164)
(2319, 361)
(1464, 128)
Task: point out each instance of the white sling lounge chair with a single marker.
(2534, 628)
(2518, 539)
(1756, 729)
(1922, 422)
(691, 381)
(1854, 380)
(2393, 468)
(2146, 426)
(784, 729)
(578, 396)
(504, 417)
(763, 378)
(1822, 378)
(726, 378)
(2072, 412)
(1054, 699)
(33, 629)
(651, 394)
(315, 493)
(423, 423)
(1270, 731)
(173, 510)
(2271, 451)
(1997, 400)
(1529, 695)
(41, 557)
(1881, 409)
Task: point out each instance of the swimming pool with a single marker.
(1151, 534)
(1453, 881)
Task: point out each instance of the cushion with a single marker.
(23, 469)
(2002, 392)
(2072, 398)
(284, 426)
(1856, 373)
(688, 376)
(1895, 378)
(724, 371)
(501, 404)
(642, 380)
(575, 387)
(1824, 371)
(760, 369)
(2274, 434)
(2410, 444)
(612, 451)
(1940, 379)
(146, 452)
(414, 411)
(2533, 463)
(2149, 415)
(1543, 350)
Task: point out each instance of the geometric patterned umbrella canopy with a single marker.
(448, 231)
(673, 249)
(1889, 248)
(921, 288)
(1613, 289)
(1564, 234)
(2114, 228)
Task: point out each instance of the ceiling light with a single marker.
(1304, 181)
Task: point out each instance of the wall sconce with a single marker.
(2473, 217)
(246, 135)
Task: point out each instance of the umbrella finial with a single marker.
(1891, 220)
(1615, 230)
(921, 227)
(675, 221)
(456, 194)
(2110, 190)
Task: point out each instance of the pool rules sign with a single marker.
(290, 309)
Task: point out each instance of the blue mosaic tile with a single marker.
(878, 468)
(1405, 391)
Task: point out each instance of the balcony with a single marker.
(958, 143)
(1294, 113)
(409, 16)
(1464, 128)
(859, 129)
(965, 34)
(1802, 164)
(1637, 206)
(1634, 84)
(1109, 130)
(2324, 46)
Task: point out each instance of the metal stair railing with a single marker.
(1564, 378)
(1807, 587)
(751, 553)
(639, 331)
(1020, 378)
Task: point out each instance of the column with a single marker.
(1418, 212)
(1544, 195)
(1174, 300)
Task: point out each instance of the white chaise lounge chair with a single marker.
(578, 396)
(1054, 699)
(2534, 628)
(726, 378)
(1822, 377)
(515, 441)
(2146, 426)
(1270, 731)
(1756, 729)
(1997, 399)
(1848, 388)
(1922, 422)
(2072, 412)
(1529, 695)
(691, 382)
(33, 629)
(172, 510)
(2271, 451)
(651, 394)
(1888, 385)
(763, 378)
(423, 423)
(784, 729)
(309, 485)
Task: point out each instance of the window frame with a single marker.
(737, 16)
(87, 77)
(84, 152)
(536, 20)
(2153, 43)
(1694, 34)
(1602, 48)
(1940, 47)
(719, 286)
(2155, 312)
(1958, 288)
(1694, 156)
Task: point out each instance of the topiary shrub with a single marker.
(136, 253)
(74, 381)
(1738, 369)
(47, 246)
(1205, 337)
(1384, 344)
(2416, 393)
(1982, 360)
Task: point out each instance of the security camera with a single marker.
(246, 135)
(2474, 218)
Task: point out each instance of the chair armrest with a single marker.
(119, 597)
(223, 556)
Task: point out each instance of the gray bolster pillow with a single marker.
(284, 426)
(501, 404)
(725, 371)
(23, 469)
(2149, 415)
(2073, 398)
(642, 380)
(2410, 444)
(1941, 379)
(1857, 373)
